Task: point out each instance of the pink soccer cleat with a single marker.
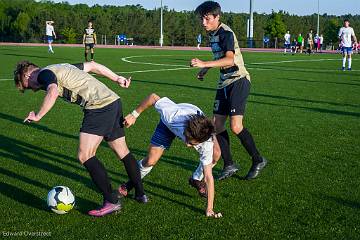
(105, 209)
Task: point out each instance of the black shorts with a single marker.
(106, 121)
(231, 100)
(89, 45)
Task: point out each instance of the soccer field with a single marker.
(303, 112)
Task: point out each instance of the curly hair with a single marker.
(21, 68)
(199, 128)
(208, 8)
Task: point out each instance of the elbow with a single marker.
(154, 97)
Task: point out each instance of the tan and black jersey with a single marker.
(222, 40)
(90, 35)
(77, 86)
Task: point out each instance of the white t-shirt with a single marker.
(175, 116)
(321, 39)
(49, 30)
(287, 38)
(345, 35)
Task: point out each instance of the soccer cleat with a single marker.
(105, 209)
(256, 168)
(228, 171)
(343, 68)
(200, 186)
(349, 69)
(123, 190)
(142, 199)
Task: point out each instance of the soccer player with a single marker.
(198, 39)
(232, 91)
(300, 43)
(321, 41)
(89, 39)
(188, 123)
(346, 34)
(287, 42)
(50, 34)
(293, 46)
(102, 118)
(310, 41)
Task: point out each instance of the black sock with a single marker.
(99, 176)
(248, 142)
(129, 186)
(224, 142)
(86, 59)
(133, 171)
(92, 56)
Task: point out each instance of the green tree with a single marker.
(21, 24)
(69, 35)
(331, 31)
(276, 27)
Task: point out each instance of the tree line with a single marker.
(24, 21)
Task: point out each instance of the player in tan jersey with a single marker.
(89, 40)
(103, 118)
(233, 89)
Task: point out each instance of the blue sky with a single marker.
(298, 7)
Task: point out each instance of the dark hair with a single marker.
(199, 128)
(21, 68)
(346, 20)
(208, 7)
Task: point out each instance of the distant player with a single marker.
(198, 39)
(89, 39)
(186, 122)
(50, 34)
(346, 35)
(293, 46)
(232, 91)
(300, 43)
(310, 41)
(287, 41)
(103, 118)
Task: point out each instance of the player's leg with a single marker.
(221, 111)
(238, 98)
(344, 56)
(50, 42)
(86, 52)
(87, 156)
(92, 52)
(349, 58)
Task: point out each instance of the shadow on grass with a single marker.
(256, 95)
(341, 201)
(82, 204)
(34, 56)
(322, 82)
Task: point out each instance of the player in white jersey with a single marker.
(287, 42)
(346, 34)
(188, 123)
(50, 34)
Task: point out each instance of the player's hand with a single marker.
(202, 73)
(195, 62)
(129, 120)
(32, 117)
(124, 82)
(212, 214)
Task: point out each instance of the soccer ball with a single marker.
(60, 200)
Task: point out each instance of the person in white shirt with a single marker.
(321, 40)
(50, 34)
(188, 123)
(287, 42)
(346, 34)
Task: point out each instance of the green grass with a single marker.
(304, 116)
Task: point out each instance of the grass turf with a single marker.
(303, 113)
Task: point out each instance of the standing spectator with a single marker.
(50, 33)
(198, 39)
(321, 41)
(287, 42)
(300, 43)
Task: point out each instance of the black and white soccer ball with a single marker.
(60, 199)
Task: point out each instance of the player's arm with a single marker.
(84, 36)
(226, 61)
(209, 180)
(149, 101)
(49, 101)
(201, 74)
(94, 36)
(354, 37)
(106, 72)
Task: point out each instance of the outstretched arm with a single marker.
(48, 103)
(106, 72)
(149, 101)
(226, 61)
(209, 179)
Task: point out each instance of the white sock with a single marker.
(143, 170)
(344, 61)
(349, 62)
(50, 48)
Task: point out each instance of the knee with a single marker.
(216, 153)
(151, 162)
(237, 128)
(83, 156)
